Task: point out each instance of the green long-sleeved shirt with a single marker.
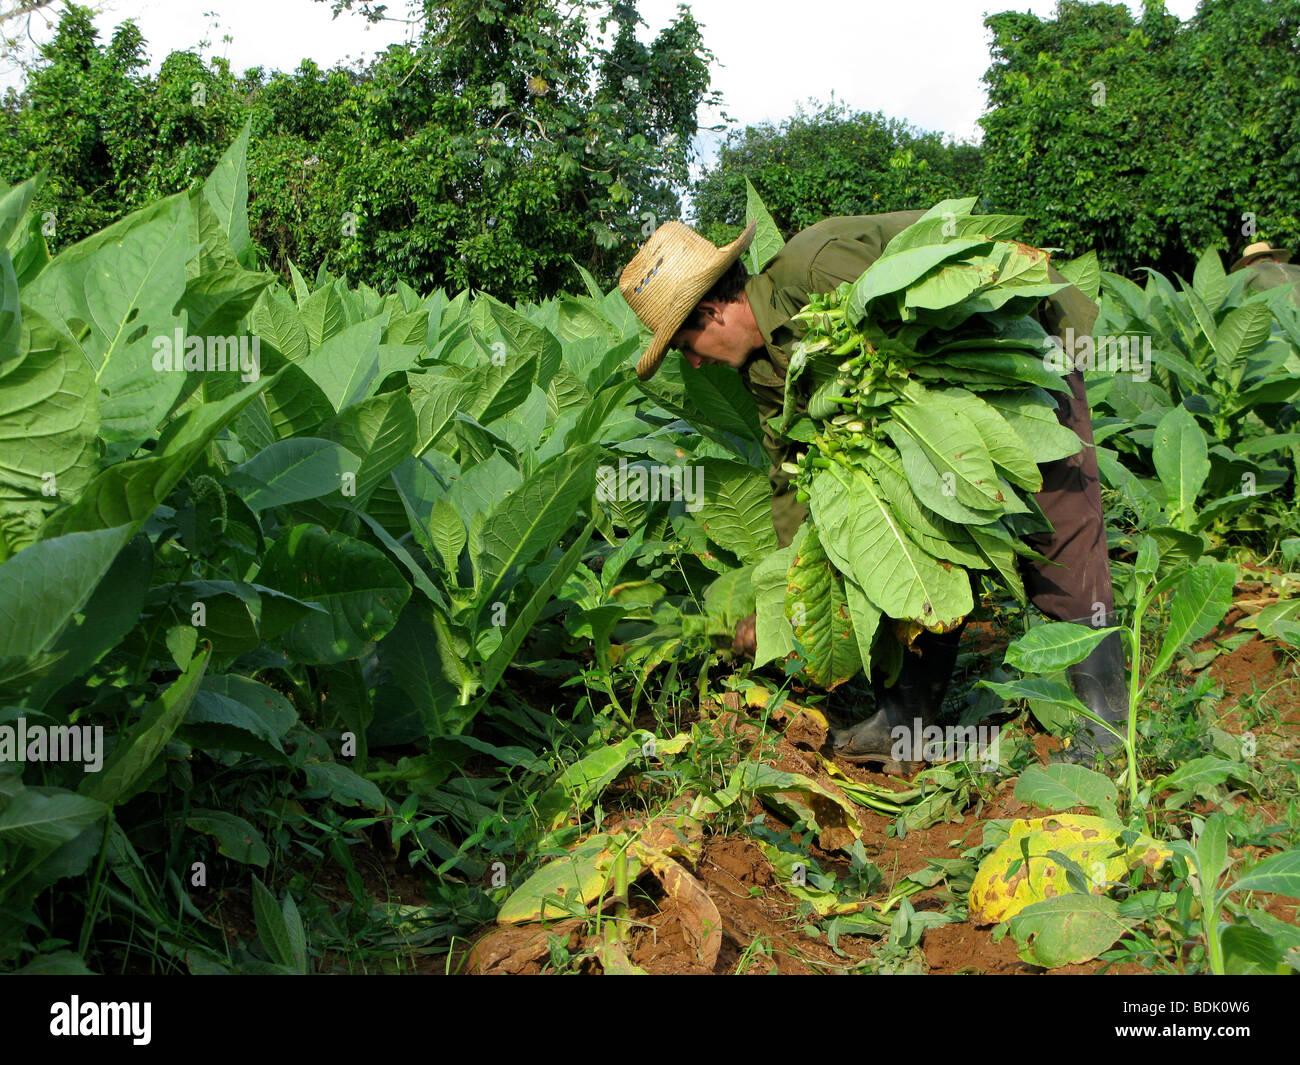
(819, 259)
(1264, 274)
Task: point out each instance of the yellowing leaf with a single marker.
(565, 886)
(701, 922)
(1024, 868)
(796, 796)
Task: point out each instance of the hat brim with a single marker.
(685, 300)
(1282, 257)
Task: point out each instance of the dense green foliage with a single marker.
(340, 539)
(1136, 138)
(830, 162)
(353, 577)
(1142, 138)
(404, 578)
(500, 145)
(1197, 432)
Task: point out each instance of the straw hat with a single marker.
(1254, 251)
(666, 279)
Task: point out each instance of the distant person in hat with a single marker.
(700, 300)
(1268, 267)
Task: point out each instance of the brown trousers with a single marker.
(1079, 586)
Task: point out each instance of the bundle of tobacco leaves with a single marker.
(924, 393)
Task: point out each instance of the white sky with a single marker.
(850, 49)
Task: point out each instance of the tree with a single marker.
(503, 143)
(1143, 138)
(831, 162)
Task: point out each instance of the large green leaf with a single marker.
(1012, 365)
(437, 398)
(1250, 951)
(381, 431)
(936, 535)
(28, 249)
(294, 404)
(114, 293)
(933, 490)
(729, 598)
(280, 929)
(1212, 850)
(563, 886)
(998, 550)
(48, 421)
(767, 238)
(955, 449)
(1209, 281)
(111, 612)
(239, 702)
(890, 273)
(816, 604)
(10, 311)
(1181, 459)
(1052, 647)
(1278, 873)
(236, 838)
(1061, 786)
(447, 533)
(866, 540)
(343, 785)
(219, 292)
(14, 204)
(362, 591)
(45, 584)
(716, 398)
(1069, 929)
(1038, 689)
(1199, 602)
(1005, 447)
(951, 282)
(527, 345)
(736, 506)
(1239, 334)
(145, 740)
(321, 312)
(525, 616)
(418, 683)
(347, 366)
(48, 818)
(866, 619)
(952, 218)
(226, 192)
(275, 320)
(289, 471)
(1084, 273)
(532, 518)
(1032, 414)
(773, 636)
(125, 494)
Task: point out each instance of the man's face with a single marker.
(726, 337)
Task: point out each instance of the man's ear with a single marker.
(709, 310)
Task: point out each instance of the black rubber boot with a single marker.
(1101, 683)
(917, 695)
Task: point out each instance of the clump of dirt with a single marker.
(760, 925)
(1257, 666)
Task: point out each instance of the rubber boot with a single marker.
(916, 696)
(1101, 683)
